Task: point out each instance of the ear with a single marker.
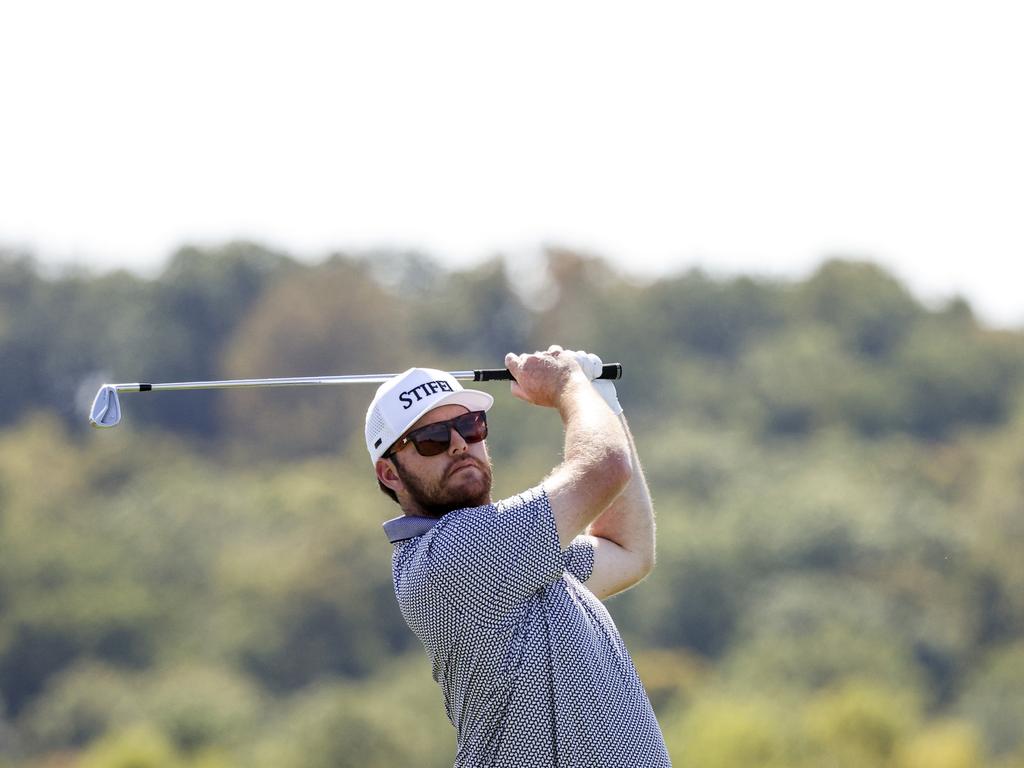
(387, 475)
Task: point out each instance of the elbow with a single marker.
(640, 567)
(645, 566)
(644, 558)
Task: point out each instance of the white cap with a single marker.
(401, 402)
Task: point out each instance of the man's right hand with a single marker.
(544, 377)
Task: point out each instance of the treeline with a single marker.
(848, 346)
(836, 466)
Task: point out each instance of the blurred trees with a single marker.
(468, 316)
(198, 303)
(870, 310)
(838, 470)
(316, 322)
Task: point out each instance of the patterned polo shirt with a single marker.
(533, 669)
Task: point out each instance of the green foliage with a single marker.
(471, 314)
(871, 310)
(193, 707)
(950, 744)
(800, 634)
(861, 724)
(838, 473)
(140, 747)
(716, 318)
(331, 320)
(994, 698)
(807, 391)
(145, 746)
(951, 379)
(197, 305)
(398, 719)
(726, 732)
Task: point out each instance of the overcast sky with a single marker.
(737, 136)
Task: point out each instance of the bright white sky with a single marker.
(738, 136)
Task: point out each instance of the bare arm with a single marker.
(623, 535)
(596, 466)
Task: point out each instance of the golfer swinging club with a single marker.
(505, 596)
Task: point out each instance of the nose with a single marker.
(458, 444)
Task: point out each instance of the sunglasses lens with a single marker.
(432, 439)
(436, 438)
(472, 426)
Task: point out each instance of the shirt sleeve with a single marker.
(579, 558)
(488, 561)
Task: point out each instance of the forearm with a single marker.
(596, 465)
(629, 519)
(592, 432)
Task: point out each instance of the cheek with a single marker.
(417, 471)
(481, 454)
(430, 471)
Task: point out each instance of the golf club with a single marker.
(106, 406)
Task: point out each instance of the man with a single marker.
(506, 596)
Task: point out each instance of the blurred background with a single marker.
(797, 226)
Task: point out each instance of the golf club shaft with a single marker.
(609, 371)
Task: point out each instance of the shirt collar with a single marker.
(407, 527)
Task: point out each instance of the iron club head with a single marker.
(106, 408)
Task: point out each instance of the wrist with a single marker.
(577, 390)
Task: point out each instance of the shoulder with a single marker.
(530, 499)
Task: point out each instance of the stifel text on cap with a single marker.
(427, 389)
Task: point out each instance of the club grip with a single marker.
(608, 371)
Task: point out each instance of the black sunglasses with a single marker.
(435, 438)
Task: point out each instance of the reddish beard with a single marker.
(438, 498)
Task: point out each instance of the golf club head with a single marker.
(106, 408)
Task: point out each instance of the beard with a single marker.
(438, 498)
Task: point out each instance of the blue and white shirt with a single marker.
(533, 669)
